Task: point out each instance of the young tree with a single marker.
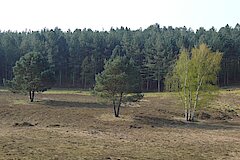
(120, 77)
(31, 74)
(195, 73)
(179, 80)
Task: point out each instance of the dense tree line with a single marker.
(76, 57)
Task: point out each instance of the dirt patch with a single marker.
(110, 117)
(135, 126)
(24, 124)
(54, 125)
(204, 115)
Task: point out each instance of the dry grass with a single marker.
(20, 102)
(69, 125)
(160, 94)
(68, 91)
(228, 100)
(110, 117)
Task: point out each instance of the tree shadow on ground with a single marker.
(57, 103)
(172, 123)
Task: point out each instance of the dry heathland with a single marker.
(74, 125)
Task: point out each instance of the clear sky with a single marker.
(103, 14)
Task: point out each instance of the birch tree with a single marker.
(194, 73)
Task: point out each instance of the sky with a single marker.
(21, 15)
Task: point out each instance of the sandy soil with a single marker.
(74, 126)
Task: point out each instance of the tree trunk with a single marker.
(117, 112)
(235, 71)
(147, 84)
(186, 113)
(224, 79)
(189, 105)
(196, 99)
(185, 95)
(238, 69)
(227, 78)
(224, 75)
(189, 114)
(6, 72)
(73, 79)
(82, 78)
(159, 83)
(119, 104)
(114, 108)
(85, 82)
(60, 78)
(32, 95)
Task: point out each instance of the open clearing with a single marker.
(75, 125)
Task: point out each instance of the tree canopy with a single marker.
(119, 77)
(194, 72)
(32, 74)
(76, 56)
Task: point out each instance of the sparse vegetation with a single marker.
(63, 124)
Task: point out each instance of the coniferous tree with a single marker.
(31, 74)
(118, 78)
(153, 50)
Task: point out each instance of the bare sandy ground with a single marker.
(74, 126)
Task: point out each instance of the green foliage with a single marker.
(119, 78)
(88, 71)
(153, 51)
(133, 97)
(31, 74)
(194, 75)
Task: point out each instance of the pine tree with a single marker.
(120, 77)
(31, 74)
